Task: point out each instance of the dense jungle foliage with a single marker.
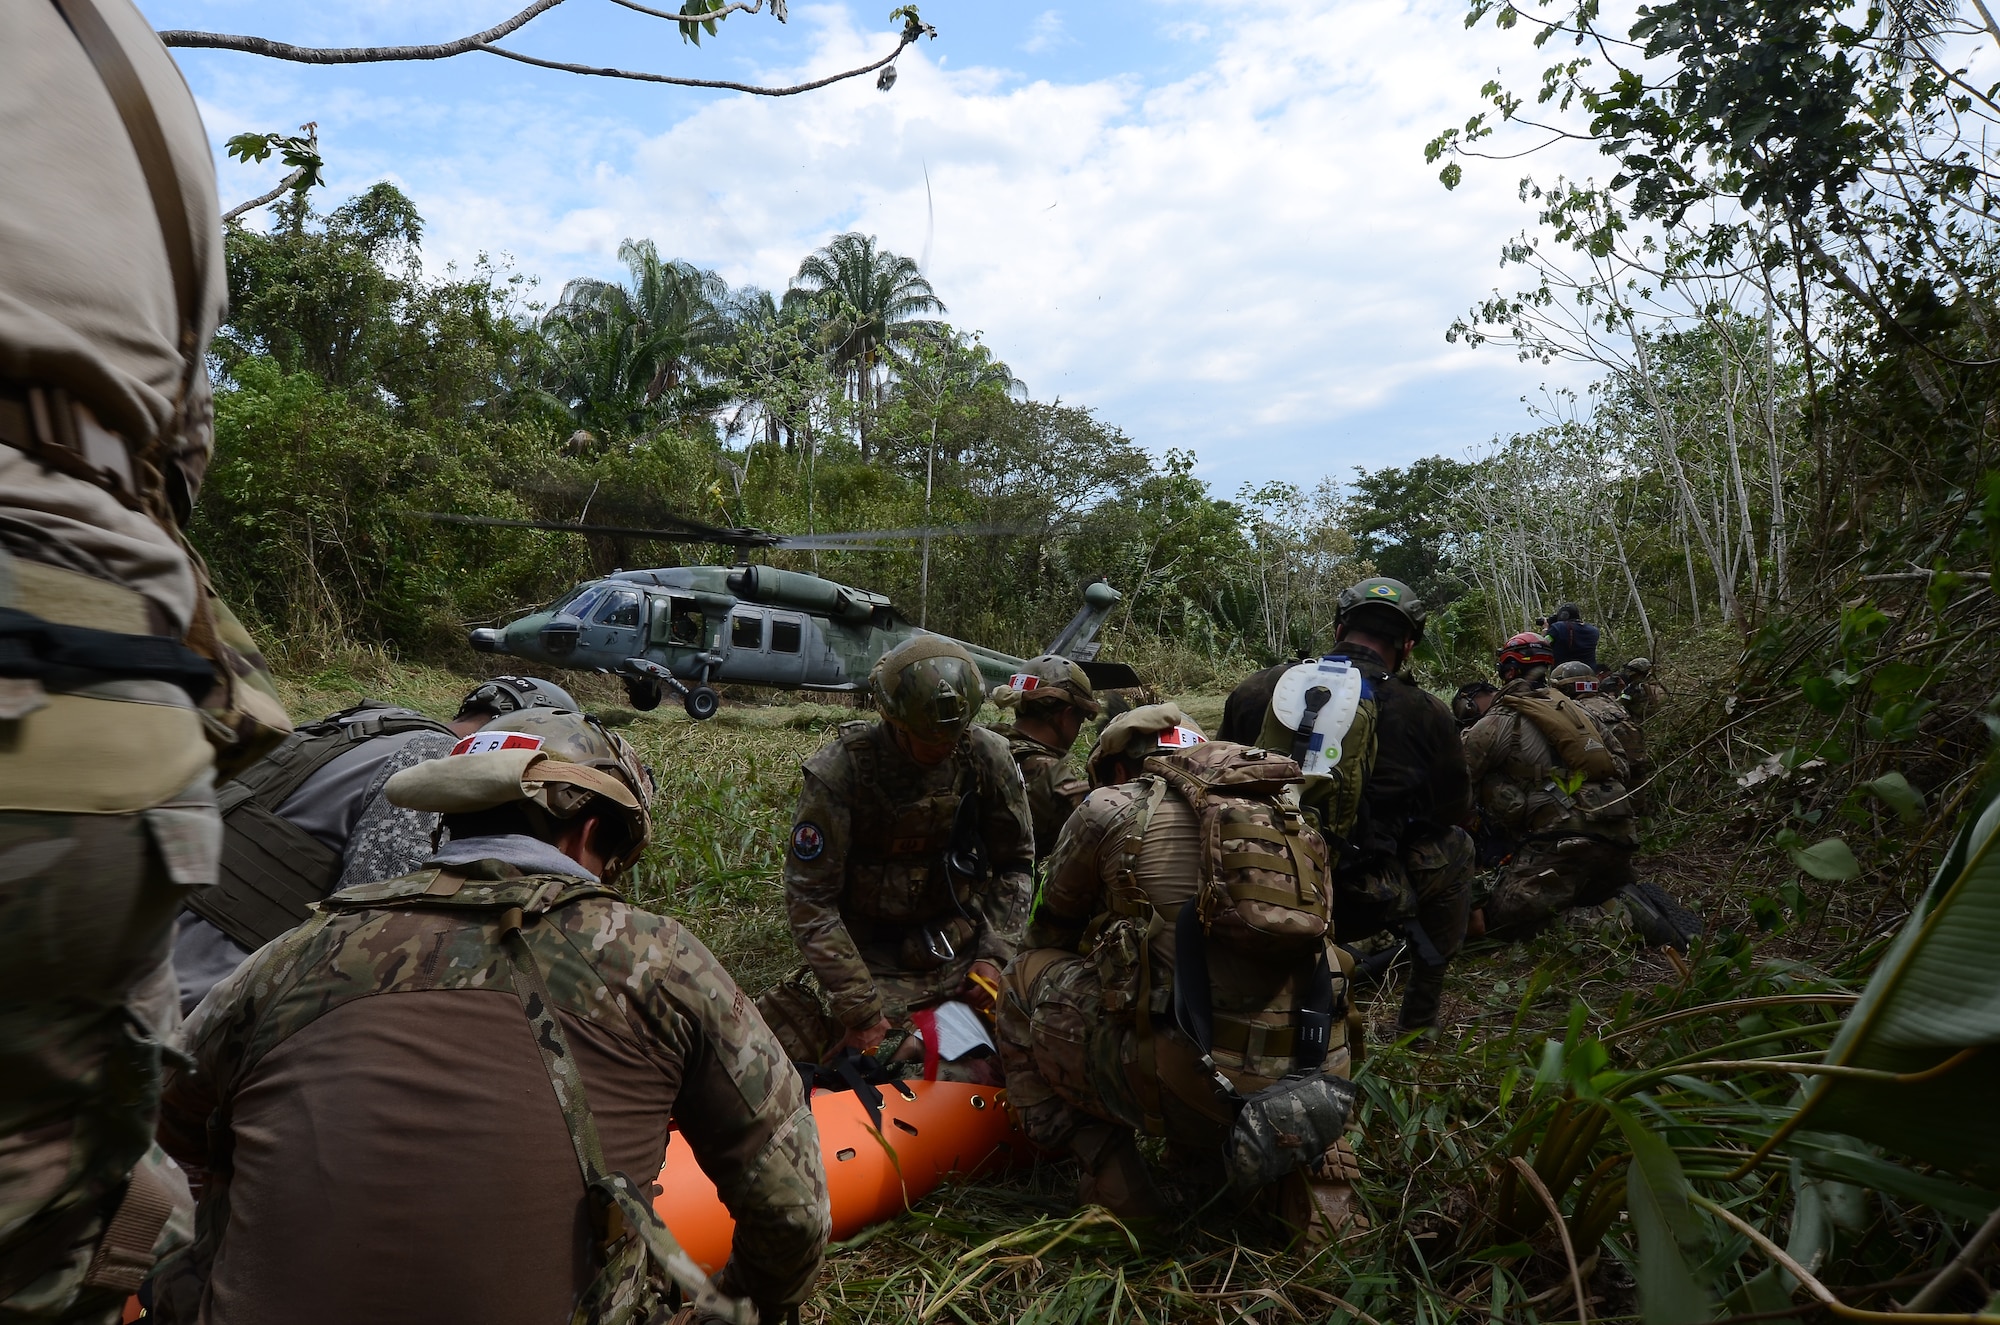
(360, 393)
(1784, 485)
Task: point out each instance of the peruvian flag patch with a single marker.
(480, 743)
(1023, 681)
(1180, 738)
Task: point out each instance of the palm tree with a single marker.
(874, 297)
(619, 351)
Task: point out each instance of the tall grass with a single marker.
(1546, 1046)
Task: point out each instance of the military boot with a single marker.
(1318, 1202)
(1115, 1174)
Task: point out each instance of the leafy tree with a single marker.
(623, 357)
(1400, 520)
(879, 295)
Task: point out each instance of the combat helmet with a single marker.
(1574, 678)
(929, 688)
(1140, 734)
(580, 740)
(1383, 592)
(1637, 667)
(1465, 701)
(1047, 681)
(1524, 653)
(501, 695)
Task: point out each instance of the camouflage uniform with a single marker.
(1568, 850)
(1077, 1052)
(1054, 784)
(1053, 691)
(1623, 734)
(865, 890)
(106, 780)
(622, 975)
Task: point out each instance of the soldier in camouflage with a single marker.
(1569, 839)
(1396, 811)
(1052, 699)
(909, 865)
(1638, 691)
(358, 1149)
(1095, 1043)
(111, 283)
(1621, 730)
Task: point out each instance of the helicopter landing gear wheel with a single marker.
(644, 695)
(701, 703)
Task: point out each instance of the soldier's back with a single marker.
(368, 1088)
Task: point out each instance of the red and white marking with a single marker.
(480, 743)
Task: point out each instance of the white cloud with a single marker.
(1046, 32)
(1254, 262)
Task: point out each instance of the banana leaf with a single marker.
(1935, 996)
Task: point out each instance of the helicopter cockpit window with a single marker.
(580, 603)
(746, 632)
(784, 635)
(620, 608)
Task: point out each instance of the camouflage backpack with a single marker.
(1264, 877)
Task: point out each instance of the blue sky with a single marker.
(1210, 222)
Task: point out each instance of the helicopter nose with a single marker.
(486, 641)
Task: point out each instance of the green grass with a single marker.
(1453, 1236)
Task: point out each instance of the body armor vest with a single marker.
(273, 871)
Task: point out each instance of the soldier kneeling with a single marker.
(446, 1096)
(1179, 977)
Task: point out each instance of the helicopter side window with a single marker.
(746, 631)
(620, 609)
(685, 624)
(785, 635)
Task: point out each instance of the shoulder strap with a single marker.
(156, 161)
(614, 1190)
(1127, 898)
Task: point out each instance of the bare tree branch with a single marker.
(751, 88)
(263, 198)
(279, 50)
(483, 41)
(746, 6)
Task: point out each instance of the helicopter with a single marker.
(686, 629)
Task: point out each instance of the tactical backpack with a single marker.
(1264, 885)
(1262, 888)
(272, 870)
(1569, 731)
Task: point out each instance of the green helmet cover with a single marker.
(929, 687)
(1381, 591)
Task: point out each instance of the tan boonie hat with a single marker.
(485, 780)
(1144, 732)
(1049, 677)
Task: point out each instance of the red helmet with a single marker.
(1526, 649)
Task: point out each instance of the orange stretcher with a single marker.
(931, 1130)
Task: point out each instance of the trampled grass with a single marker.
(1534, 1035)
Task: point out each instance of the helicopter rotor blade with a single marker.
(862, 539)
(693, 531)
